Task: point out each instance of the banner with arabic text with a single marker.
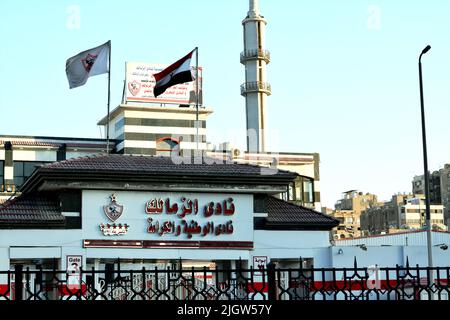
(161, 216)
(140, 83)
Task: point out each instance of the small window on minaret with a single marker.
(167, 146)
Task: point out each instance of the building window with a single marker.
(24, 169)
(304, 190)
(167, 146)
(2, 174)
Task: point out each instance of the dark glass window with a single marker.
(304, 190)
(2, 172)
(24, 169)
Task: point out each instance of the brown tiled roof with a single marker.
(282, 213)
(159, 165)
(31, 210)
(31, 143)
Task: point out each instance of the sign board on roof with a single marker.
(140, 83)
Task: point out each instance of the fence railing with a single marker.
(272, 283)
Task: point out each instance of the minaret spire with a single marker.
(253, 8)
(255, 89)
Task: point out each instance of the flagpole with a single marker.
(197, 92)
(109, 98)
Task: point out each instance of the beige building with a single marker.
(348, 211)
(356, 201)
(402, 212)
(439, 186)
(383, 218)
(412, 214)
(349, 224)
(445, 191)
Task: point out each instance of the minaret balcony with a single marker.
(256, 86)
(255, 54)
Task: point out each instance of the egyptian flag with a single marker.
(176, 73)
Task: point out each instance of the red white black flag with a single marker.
(176, 73)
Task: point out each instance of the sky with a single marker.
(344, 76)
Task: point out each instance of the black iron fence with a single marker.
(272, 283)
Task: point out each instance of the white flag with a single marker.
(86, 64)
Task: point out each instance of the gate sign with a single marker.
(260, 262)
(73, 266)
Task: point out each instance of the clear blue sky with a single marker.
(343, 73)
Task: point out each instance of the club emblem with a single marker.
(134, 87)
(113, 210)
(88, 62)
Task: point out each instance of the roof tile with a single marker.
(281, 212)
(31, 209)
(157, 165)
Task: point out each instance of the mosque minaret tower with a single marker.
(256, 88)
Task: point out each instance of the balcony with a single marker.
(253, 54)
(8, 188)
(256, 86)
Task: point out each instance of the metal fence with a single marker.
(272, 283)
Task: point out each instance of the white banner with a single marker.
(140, 83)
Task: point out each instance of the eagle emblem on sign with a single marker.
(88, 62)
(134, 87)
(113, 210)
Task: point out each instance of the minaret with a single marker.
(255, 89)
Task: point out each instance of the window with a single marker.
(24, 169)
(167, 146)
(290, 194)
(2, 174)
(304, 190)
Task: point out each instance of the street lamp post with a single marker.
(425, 168)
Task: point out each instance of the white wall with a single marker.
(34, 155)
(381, 256)
(388, 256)
(293, 245)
